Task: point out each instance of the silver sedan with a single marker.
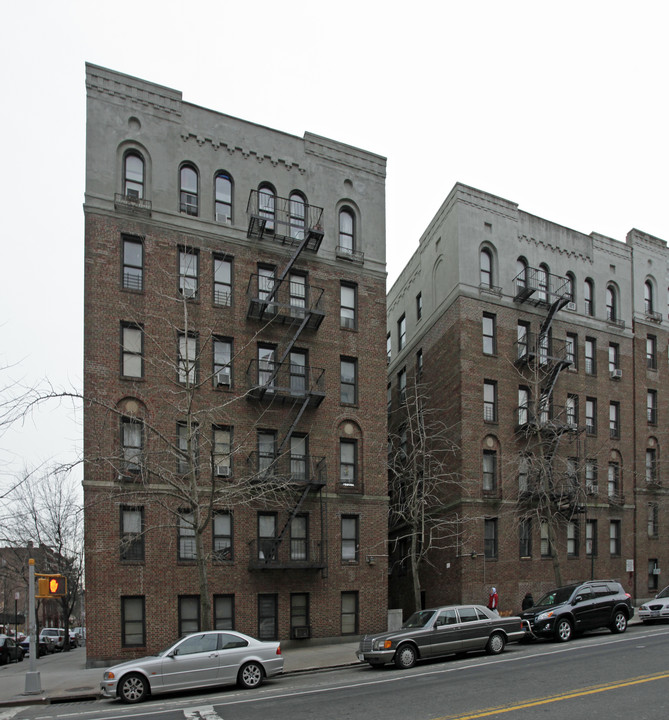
(198, 660)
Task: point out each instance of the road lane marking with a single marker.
(204, 712)
(570, 695)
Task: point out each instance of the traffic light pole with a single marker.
(33, 682)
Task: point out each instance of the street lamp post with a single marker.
(33, 683)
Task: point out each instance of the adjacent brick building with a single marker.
(234, 325)
(546, 352)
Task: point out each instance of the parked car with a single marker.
(9, 650)
(25, 646)
(441, 631)
(74, 639)
(198, 660)
(583, 606)
(53, 637)
(657, 609)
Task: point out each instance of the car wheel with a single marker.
(4, 659)
(250, 675)
(619, 624)
(20, 657)
(495, 644)
(405, 657)
(563, 630)
(133, 688)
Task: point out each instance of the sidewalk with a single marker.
(65, 678)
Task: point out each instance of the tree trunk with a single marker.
(415, 576)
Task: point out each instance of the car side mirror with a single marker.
(577, 599)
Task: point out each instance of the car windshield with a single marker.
(556, 597)
(419, 619)
(664, 593)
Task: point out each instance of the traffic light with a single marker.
(51, 586)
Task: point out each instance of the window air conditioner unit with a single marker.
(571, 306)
(223, 471)
(616, 374)
(132, 194)
(188, 292)
(223, 217)
(301, 632)
(656, 571)
(591, 490)
(223, 377)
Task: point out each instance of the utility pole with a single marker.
(33, 683)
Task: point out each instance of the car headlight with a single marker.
(545, 616)
(382, 644)
(109, 676)
(644, 607)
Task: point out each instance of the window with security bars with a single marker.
(490, 401)
(222, 281)
(133, 264)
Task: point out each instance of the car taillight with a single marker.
(278, 650)
(628, 596)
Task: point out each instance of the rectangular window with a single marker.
(187, 448)
(489, 471)
(651, 352)
(299, 612)
(299, 533)
(388, 349)
(188, 272)
(614, 357)
(525, 538)
(349, 613)
(266, 287)
(266, 536)
(266, 367)
(222, 451)
(419, 306)
(651, 407)
(523, 340)
(268, 606)
(222, 349)
(489, 334)
(653, 576)
(402, 385)
(132, 441)
(546, 550)
(348, 462)
(572, 539)
(572, 350)
(348, 306)
(419, 364)
(222, 281)
(614, 480)
(591, 538)
(132, 342)
(572, 411)
(401, 333)
(132, 533)
(614, 538)
(590, 477)
(222, 536)
(189, 614)
(490, 401)
(297, 295)
(614, 420)
(653, 520)
(133, 622)
(590, 356)
(186, 362)
(651, 465)
(298, 373)
(266, 450)
(523, 470)
(186, 536)
(224, 612)
(348, 381)
(490, 538)
(299, 457)
(349, 538)
(523, 405)
(591, 416)
(133, 264)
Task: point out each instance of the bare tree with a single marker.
(421, 478)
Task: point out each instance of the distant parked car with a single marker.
(441, 631)
(25, 646)
(583, 606)
(54, 638)
(74, 639)
(198, 660)
(9, 650)
(657, 609)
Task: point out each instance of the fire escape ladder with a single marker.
(551, 380)
(293, 425)
(555, 307)
(279, 538)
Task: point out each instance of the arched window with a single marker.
(266, 203)
(588, 297)
(188, 187)
(133, 175)
(346, 231)
(648, 297)
(297, 215)
(570, 289)
(611, 303)
(485, 268)
(223, 199)
(521, 274)
(542, 282)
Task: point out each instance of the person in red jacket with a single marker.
(493, 601)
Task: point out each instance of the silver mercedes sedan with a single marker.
(198, 660)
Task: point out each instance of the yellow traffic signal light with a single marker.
(51, 586)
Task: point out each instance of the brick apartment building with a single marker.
(546, 351)
(234, 372)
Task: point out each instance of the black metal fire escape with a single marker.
(277, 301)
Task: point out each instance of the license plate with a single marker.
(655, 613)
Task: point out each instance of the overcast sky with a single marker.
(559, 107)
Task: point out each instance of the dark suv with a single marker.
(585, 606)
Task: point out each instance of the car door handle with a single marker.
(214, 655)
